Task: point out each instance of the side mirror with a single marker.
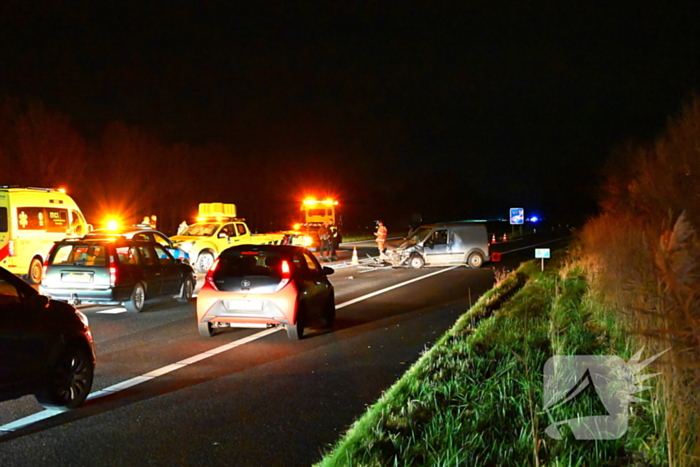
(328, 271)
(38, 301)
(222, 235)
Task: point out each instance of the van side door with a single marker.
(437, 247)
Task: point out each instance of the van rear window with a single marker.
(3, 219)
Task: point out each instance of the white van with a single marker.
(31, 220)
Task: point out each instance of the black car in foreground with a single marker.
(115, 271)
(46, 348)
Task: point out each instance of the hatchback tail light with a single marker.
(209, 278)
(286, 273)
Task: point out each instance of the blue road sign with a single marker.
(517, 216)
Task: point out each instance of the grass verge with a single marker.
(475, 398)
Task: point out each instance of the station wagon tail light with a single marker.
(209, 278)
(286, 271)
(45, 268)
(112, 272)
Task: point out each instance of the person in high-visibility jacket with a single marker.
(381, 234)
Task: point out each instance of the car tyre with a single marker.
(205, 329)
(69, 380)
(296, 331)
(329, 312)
(138, 298)
(416, 262)
(475, 260)
(186, 291)
(36, 270)
(204, 261)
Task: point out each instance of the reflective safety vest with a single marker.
(381, 234)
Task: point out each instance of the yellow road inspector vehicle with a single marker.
(217, 229)
(31, 220)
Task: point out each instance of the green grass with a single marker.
(475, 397)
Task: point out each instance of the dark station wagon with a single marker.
(115, 271)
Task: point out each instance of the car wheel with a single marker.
(475, 260)
(205, 329)
(69, 380)
(416, 262)
(186, 291)
(296, 331)
(35, 272)
(204, 261)
(329, 312)
(138, 298)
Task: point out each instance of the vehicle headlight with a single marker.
(186, 246)
(307, 241)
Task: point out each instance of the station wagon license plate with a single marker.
(243, 305)
(81, 277)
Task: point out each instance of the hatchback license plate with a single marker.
(244, 305)
(76, 277)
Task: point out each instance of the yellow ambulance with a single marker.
(31, 220)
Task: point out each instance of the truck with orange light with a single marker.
(217, 228)
(314, 213)
(31, 220)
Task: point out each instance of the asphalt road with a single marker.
(163, 395)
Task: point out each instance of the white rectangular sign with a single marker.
(541, 252)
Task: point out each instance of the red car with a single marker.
(261, 286)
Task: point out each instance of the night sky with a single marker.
(451, 109)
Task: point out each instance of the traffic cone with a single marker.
(493, 238)
(354, 261)
(505, 237)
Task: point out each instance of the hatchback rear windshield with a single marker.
(80, 255)
(264, 263)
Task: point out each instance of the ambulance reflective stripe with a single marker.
(4, 251)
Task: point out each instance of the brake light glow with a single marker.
(209, 278)
(286, 271)
(112, 272)
(250, 253)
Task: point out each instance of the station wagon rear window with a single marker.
(80, 255)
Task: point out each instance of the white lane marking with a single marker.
(37, 417)
(112, 311)
(26, 421)
(396, 286)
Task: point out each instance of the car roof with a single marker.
(115, 240)
(285, 250)
(123, 231)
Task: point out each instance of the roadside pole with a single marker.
(542, 253)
